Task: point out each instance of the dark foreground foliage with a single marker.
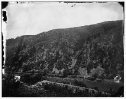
(13, 88)
(9, 86)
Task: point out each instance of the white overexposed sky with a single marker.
(36, 17)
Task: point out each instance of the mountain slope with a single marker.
(68, 49)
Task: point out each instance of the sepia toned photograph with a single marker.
(62, 49)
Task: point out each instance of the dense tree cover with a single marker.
(92, 46)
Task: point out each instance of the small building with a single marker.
(117, 79)
(17, 78)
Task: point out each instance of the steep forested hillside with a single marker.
(88, 47)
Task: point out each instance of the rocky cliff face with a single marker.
(68, 49)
